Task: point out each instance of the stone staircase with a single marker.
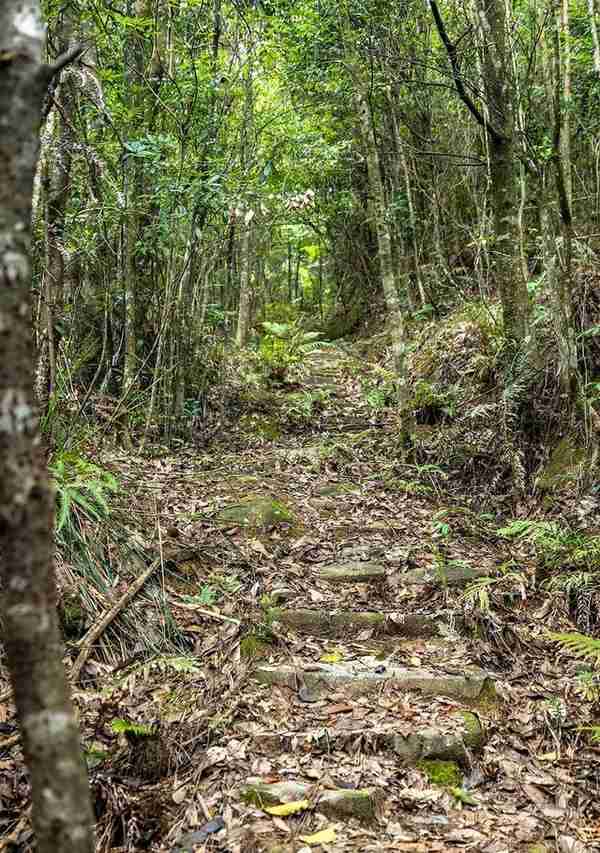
(404, 690)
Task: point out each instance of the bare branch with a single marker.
(457, 75)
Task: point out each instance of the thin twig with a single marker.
(98, 629)
(209, 613)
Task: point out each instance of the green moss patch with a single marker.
(256, 512)
(444, 773)
(563, 468)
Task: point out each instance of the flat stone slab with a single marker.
(425, 742)
(337, 803)
(257, 512)
(348, 623)
(443, 576)
(352, 572)
(368, 674)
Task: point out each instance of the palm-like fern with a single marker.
(579, 645)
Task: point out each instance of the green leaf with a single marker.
(463, 797)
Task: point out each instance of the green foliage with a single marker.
(83, 490)
(430, 404)
(285, 345)
(579, 645)
(304, 407)
(127, 727)
(480, 591)
(556, 546)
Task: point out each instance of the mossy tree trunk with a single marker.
(62, 815)
(384, 237)
(498, 121)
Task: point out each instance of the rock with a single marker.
(451, 575)
(338, 803)
(255, 512)
(334, 489)
(368, 674)
(563, 468)
(424, 743)
(281, 594)
(352, 572)
(346, 623)
(310, 454)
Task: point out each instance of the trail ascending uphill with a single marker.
(330, 669)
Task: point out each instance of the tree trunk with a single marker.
(497, 118)
(384, 240)
(498, 81)
(62, 815)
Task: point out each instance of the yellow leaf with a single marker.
(326, 836)
(333, 657)
(288, 808)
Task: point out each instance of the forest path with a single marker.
(337, 668)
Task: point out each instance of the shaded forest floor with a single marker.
(321, 637)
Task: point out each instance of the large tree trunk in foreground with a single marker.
(62, 815)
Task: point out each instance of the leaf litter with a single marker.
(178, 667)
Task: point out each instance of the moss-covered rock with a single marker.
(447, 739)
(340, 803)
(260, 426)
(563, 468)
(348, 623)
(253, 647)
(443, 575)
(444, 773)
(334, 489)
(255, 512)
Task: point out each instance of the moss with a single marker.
(260, 426)
(334, 489)
(72, 616)
(444, 773)
(473, 729)
(254, 646)
(256, 512)
(563, 467)
(488, 701)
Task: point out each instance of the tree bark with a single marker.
(498, 121)
(384, 242)
(61, 813)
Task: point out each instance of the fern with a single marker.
(127, 727)
(579, 645)
(82, 491)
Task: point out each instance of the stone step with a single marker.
(365, 675)
(352, 572)
(450, 575)
(349, 623)
(452, 738)
(336, 803)
(367, 572)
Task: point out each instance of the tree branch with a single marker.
(456, 74)
(63, 60)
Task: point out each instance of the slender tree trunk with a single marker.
(560, 275)
(498, 80)
(384, 240)
(498, 121)
(593, 13)
(243, 321)
(245, 299)
(62, 815)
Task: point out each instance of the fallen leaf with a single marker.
(332, 657)
(287, 809)
(325, 836)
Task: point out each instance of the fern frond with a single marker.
(579, 645)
